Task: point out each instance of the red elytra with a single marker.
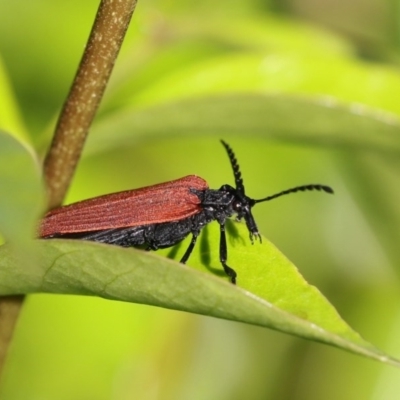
(164, 202)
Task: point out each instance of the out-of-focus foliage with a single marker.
(179, 54)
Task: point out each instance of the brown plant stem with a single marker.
(112, 21)
(94, 71)
(10, 307)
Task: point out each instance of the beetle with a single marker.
(160, 216)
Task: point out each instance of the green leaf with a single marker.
(331, 76)
(299, 120)
(21, 197)
(270, 291)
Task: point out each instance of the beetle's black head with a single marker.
(243, 204)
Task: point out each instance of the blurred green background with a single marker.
(331, 68)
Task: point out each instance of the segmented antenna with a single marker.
(235, 166)
(302, 188)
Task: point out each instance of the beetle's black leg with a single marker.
(189, 250)
(223, 256)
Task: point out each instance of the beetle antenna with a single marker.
(235, 166)
(302, 188)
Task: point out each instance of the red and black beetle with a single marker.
(162, 215)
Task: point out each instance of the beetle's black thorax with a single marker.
(216, 204)
(225, 202)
